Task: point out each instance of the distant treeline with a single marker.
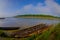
(32, 15)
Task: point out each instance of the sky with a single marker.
(10, 8)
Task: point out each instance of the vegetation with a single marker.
(37, 16)
(2, 34)
(53, 33)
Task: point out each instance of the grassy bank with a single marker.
(37, 16)
(53, 33)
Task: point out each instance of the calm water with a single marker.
(24, 22)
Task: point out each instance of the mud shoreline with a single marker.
(26, 32)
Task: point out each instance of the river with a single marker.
(25, 22)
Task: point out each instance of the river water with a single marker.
(25, 22)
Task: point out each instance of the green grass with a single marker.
(52, 33)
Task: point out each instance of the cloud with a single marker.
(55, 8)
(51, 8)
(3, 4)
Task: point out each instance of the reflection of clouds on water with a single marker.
(1, 22)
(24, 22)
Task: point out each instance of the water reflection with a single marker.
(24, 22)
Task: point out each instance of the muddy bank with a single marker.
(26, 32)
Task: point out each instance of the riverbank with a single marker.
(50, 33)
(26, 32)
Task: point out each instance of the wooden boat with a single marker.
(2, 18)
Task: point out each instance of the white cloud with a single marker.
(3, 4)
(51, 8)
(55, 8)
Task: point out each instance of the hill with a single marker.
(37, 16)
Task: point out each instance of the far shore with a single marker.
(38, 16)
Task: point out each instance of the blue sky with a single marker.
(10, 8)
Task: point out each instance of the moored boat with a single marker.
(9, 28)
(2, 18)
